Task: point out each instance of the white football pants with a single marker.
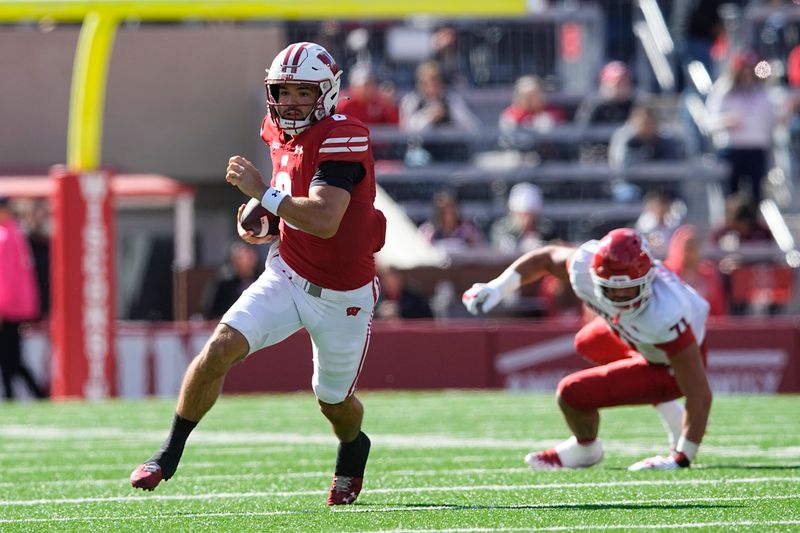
(280, 302)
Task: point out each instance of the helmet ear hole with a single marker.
(332, 110)
(273, 89)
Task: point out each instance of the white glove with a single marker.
(674, 461)
(482, 297)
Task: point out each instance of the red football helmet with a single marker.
(623, 261)
(303, 63)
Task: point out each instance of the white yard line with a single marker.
(354, 509)
(190, 466)
(383, 474)
(141, 498)
(568, 505)
(253, 439)
(609, 527)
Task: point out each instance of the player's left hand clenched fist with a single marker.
(244, 175)
(481, 297)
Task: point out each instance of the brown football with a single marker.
(257, 219)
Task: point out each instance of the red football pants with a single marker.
(596, 343)
(624, 377)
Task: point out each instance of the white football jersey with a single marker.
(663, 326)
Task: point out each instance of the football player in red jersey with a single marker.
(320, 274)
(647, 340)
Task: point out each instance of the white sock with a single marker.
(575, 455)
(671, 414)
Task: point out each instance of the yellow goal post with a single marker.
(100, 21)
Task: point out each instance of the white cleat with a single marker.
(568, 454)
(654, 463)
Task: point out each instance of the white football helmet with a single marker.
(307, 63)
(623, 261)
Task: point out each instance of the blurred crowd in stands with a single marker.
(625, 120)
(463, 116)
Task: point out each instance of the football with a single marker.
(257, 219)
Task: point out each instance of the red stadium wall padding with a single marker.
(427, 356)
(535, 356)
(422, 356)
(754, 354)
(82, 276)
(282, 368)
(746, 354)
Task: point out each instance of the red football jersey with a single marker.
(344, 261)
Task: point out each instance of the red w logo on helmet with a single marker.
(326, 58)
(294, 56)
(352, 311)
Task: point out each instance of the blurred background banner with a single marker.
(83, 285)
(745, 356)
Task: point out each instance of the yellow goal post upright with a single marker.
(82, 318)
(100, 20)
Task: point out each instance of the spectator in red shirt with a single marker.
(793, 66)
(613, 101)
(793, 108)
(368, 101)
(684, 258)
(529, 108)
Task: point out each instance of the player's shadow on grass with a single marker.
(723, 467)
(577, 506)
(752, 467)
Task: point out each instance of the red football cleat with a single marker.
(567, 454)
(344, 490)
(546, 460)
(146, 476)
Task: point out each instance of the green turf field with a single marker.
(447, 461)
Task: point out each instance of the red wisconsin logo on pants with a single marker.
(352, 311)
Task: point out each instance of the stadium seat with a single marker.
(762, 285)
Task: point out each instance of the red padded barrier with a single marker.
(746, 354)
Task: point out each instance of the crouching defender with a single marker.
(320, 275)
(647, 343)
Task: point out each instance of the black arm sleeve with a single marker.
(342, 174)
